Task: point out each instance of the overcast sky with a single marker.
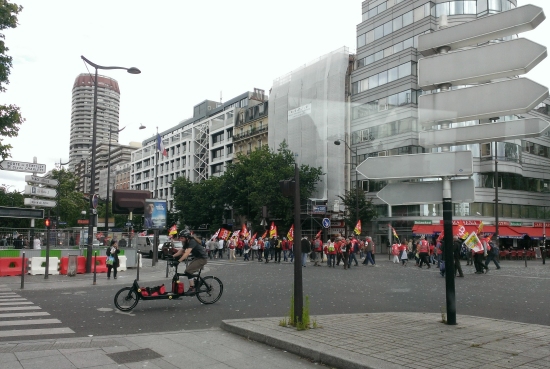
(188, 51)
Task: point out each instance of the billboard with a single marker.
(154, 214)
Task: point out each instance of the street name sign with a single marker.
(41, 180)
(492, 27)
(20, 166)
(515, 96)
(480, 133)
(405, 193)
(481, 64)
(8, 212)
(40, 191)
(39, 202)
(432, 165)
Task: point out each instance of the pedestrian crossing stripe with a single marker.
(13, 306)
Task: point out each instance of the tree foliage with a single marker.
(70, 201)
(356, 200)
(13, 199)
(10, 115)
(244, 188)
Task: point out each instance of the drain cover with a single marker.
(134, 356)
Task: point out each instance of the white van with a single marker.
(145, 244)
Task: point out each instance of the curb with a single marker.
(327, 355)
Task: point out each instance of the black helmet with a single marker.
(185, 233)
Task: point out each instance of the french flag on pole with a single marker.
(160, 146)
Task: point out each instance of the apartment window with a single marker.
(217, 168)
(485, 150)
(230, 149)
(218, 137)
(217, 153)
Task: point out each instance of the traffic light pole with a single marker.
(48, 224)
(298, 287)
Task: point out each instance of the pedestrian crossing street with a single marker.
(20, 317)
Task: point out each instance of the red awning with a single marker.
(534, 233)
(503, 231)
(424, 229)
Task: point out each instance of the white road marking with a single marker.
(29, 322)
(35, 332)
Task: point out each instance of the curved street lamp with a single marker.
(131, 70)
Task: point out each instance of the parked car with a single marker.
(145, 244)
(170, 248)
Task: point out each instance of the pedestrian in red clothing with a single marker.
(285, 249)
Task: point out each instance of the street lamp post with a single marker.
(337, 142)
(92, 214)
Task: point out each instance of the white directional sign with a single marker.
(500, 131)
(509, 97)
(404, 193)
(485, 29)
(38, 202)
(442, 164)
(41, 180)
(494, 63)
(19, 166)
(40, 191)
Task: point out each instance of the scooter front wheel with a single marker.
(126, 299)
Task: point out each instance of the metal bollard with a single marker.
(167, 262)
(23, 270)
(138, 257)
(525, 258)
(95, 267)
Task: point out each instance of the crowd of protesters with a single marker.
(350, 251)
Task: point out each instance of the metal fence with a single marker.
(58, 238)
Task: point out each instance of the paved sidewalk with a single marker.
(406, 340)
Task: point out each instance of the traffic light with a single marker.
(47, 222)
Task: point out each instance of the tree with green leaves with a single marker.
(70, 201)
(356, 200)
(12, 199)
(244, 188)
(10, 115)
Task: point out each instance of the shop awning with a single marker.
(534, 233)
(425, 229)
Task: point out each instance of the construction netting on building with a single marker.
(308, 110)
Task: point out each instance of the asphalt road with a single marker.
(255, 290)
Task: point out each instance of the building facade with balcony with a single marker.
(251, 126)
(384, 114)
(198, 148)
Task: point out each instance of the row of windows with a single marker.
(493, 6)
(455, 8)
(386, 103)
(394, 25)
(512, 181)
(536, 149)
(375, 10)
(476, 209)
(385, 130)
(387, 76)
(394, 49)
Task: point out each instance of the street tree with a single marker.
(71, 201)
(356, 200)
(10, 115)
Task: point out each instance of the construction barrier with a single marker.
(64, 265)
(12, 266)
(37, 265)
(121, 263)
(101, 266)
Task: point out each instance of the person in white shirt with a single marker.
(220, 248)
(36, 243)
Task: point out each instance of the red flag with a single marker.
(264, 235)
(290, 234)
(357, 229)
(215, 235)
(254, 236)
(319, 234)
(273, 230)
(244, 231)
(461, 231)
(223, 234)
(173, 230)
(235, 234)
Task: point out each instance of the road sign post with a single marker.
(441, 69)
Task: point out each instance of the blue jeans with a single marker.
(489, 258)
(291, 256)
(352, 257)
(368, 258)
(304, 259)
(284, 255)
(331, 260)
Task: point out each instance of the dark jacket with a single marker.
(115, 255)
(306, 246)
